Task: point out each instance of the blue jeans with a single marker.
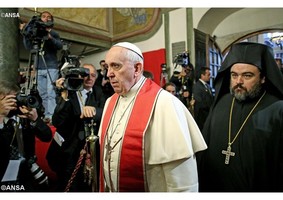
(46, 90)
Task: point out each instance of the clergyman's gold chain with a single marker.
(230, 119)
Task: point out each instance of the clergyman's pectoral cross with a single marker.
(228, 153)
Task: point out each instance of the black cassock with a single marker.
(257, 163)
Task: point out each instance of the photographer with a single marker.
(183, 74)
(7, 104)
(179, 78)
(103, 81)
(47, 66)
(19, 127)
(73, 112)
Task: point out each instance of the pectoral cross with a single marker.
(228, 153)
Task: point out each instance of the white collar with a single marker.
(133, 91)
(203, 82)
(84, 91)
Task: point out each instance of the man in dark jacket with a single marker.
(103, 81)
(19, 128)
(203, 97)
(74, 111)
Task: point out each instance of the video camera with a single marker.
(36, 29)
(182, 59)
(67, 57)
(73, 76)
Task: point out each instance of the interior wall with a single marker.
(177, 32)
(230, 28)
(246, 21)
(154, 43)
(198, 13)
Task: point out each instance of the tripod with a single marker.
(30, 90)
(29, 94)
(32, 66)
(37, 50)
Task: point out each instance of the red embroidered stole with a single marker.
(131, 165)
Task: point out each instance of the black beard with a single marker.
(255, 91)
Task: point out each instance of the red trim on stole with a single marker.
(105, 125)
(131, 170)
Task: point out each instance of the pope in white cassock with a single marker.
(148, 137)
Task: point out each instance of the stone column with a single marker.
(190, 34)
(9, 44)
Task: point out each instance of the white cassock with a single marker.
(171, 140)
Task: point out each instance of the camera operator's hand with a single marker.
(60, 86)
(183, 72)
(49, 35)
(88, 111)
(7, 103)
(60, 83)
(29, 113)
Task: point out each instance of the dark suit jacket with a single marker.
(107, 89)
(4, 153)
(203, 100)
(66, 119)
(40, 131)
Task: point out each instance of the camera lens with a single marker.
(38, 174)
(32, 102)
(74, 83)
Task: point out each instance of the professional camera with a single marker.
(66, 56)
(182, 59)
(73, 76)
(36, 29)
(39, 175)
(31, 100)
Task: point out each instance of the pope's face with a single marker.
(245, 81)
(122, 72)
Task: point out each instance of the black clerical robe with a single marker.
(258, 161)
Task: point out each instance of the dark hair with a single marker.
(101, 61)
(169, 83)
(202, 71)
(148, 74)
